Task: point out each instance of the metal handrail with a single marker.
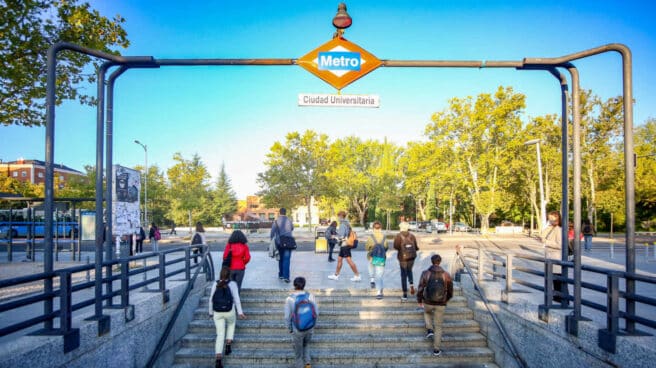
(612, 290)
(67, 289)
(504, 334)
(207, 260)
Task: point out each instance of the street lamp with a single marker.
(145, 181)
(543, 206)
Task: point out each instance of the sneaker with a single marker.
(379, 296)
(412, 290)
(308, 365)
(437, 352)
(286, 280)
(228, 349)
(280, 278)
(404, 299)
(334, 277)
(372, 283)
(429, 334)
(356, 278)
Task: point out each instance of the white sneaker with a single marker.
(356, 278)
(334, 277)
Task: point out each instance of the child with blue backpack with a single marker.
(301, 314)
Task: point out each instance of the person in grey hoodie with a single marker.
(300, 339)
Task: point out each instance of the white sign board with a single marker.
(330, 100)
(125, 200)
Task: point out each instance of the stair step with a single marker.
(282, 355)
(372, 365)
(339, 302)
(359, 341)
(363, 291)
(410, 327)
(350, 314)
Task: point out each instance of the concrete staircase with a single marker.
(354, 330)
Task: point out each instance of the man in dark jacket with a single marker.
(435, 290)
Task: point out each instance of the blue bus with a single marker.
(20, 227)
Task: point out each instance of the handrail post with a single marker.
(125, 283)
(187, 263)
(162, 278)
(480, 264)
(607, 337)
(509, 269)
(71, 335)
(543, 310)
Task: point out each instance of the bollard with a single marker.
(654, 251)
(88, 271)
(612, 248)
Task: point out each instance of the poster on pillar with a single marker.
(126, 187)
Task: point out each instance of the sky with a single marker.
(232, 115)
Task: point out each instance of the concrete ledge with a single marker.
(548, 344)
(127, 345)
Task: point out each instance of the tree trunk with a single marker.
(485, 222)
(309, 207)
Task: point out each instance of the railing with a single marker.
(68, 290)
(501, 265)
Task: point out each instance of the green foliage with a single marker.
(187, 188)
(220, 202)
(27, 29)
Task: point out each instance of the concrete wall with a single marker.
(548, 344)
(127, 345)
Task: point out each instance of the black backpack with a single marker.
(222, 299)
(408, 250)
(197, 239)
(435, 290)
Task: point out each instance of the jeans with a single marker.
(331, 247)
(301, 341)
(406, 275)
(376, 273)
(153, 242)
(225, 328)
(587, 242)
(433, 318)
(283, 263)
(237, 276)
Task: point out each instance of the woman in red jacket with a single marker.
(240, 255)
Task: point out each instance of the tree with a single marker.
(645, 176)
(28, 29)
(295, 171)
(481, 133)
(188, 187)
(221, 202)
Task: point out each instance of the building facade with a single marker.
(34, 171)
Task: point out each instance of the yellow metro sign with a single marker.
(339, 62)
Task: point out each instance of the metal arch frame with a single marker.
(548, 64)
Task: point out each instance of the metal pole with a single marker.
(145, 147)
(10, 256)
(576, 143)
(543, 205)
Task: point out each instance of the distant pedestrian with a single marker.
(406, 245)
(237, 252)
(154, 236)
(434, 292)
(141, 235)
(552, 241)
(301, 312)
(331, 238)
(198, 238)
(376, 248)
(173, 232)
(588, 232)
(222, 304)
(570, 239)
(281, 232)
(344, 249)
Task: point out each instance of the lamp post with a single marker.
(145, 147)
(543, 205)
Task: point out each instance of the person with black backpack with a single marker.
(406, 245)
(434, 291)
(588, 232)
(198, 239)
(222, 304)
(301, 314)
(376, 248)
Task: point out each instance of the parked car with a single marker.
(439, 226)
(426, 226)
(412, 225)
(461, 226)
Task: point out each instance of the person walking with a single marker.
(141, 235)
(154, 236)
(223, 302)
(301, 312)
(198, 238)
(588, 233)
(344, 249)
(552, 241)
(281, 231)
(376, 248)
(237, 252)
(434, 292)
(406, 245)
(331, 238)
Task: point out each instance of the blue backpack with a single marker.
(304, 316)
(378, 253)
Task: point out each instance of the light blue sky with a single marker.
(234, 114)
